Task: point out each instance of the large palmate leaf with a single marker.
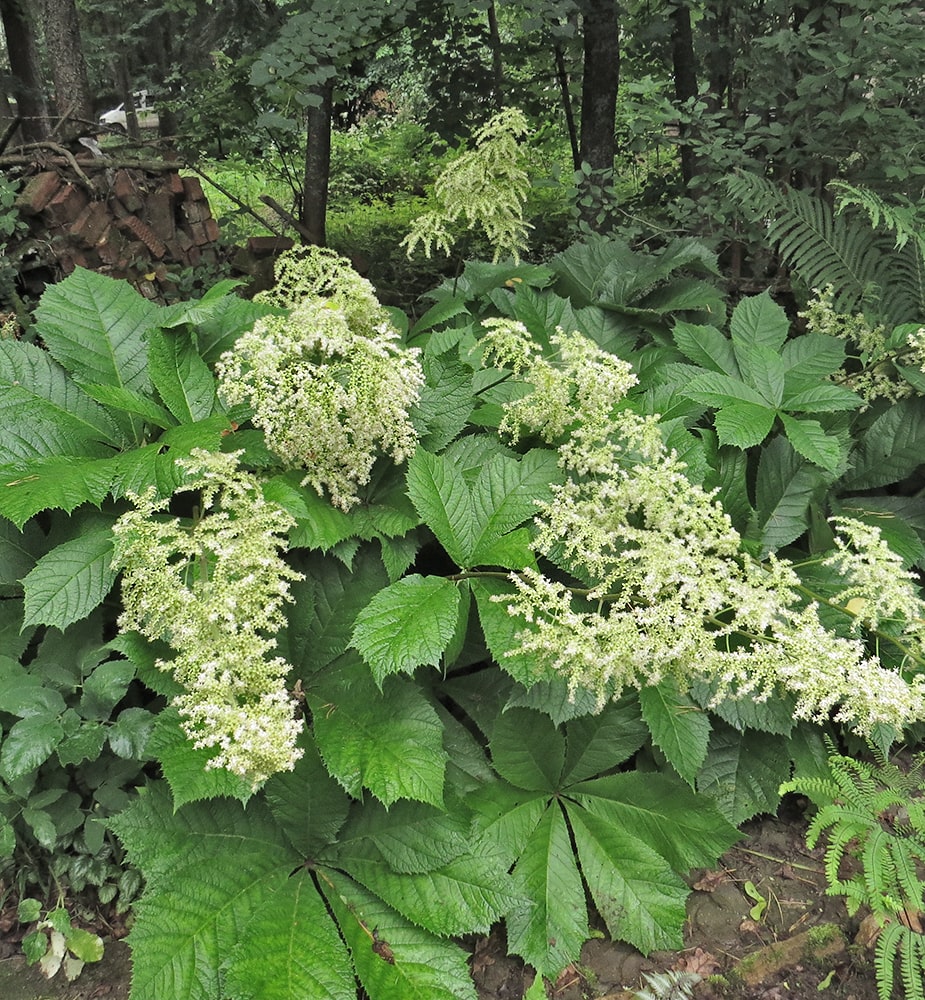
(221, 865)
(394, 959)
(44, 413)
(891, 448)
(528, 750)
(291, 949)
(68, 582)
(388, 741)
(407, 625)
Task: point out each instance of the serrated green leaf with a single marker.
(23, 693)
(318, 524)
(679, 728)
(325, 605)
(291, 949)
(412, 837)
(406, 625)
(527, 750)
(422, 966)
(743, 425)
(742, 772)
(180, 376)
(130, 401)
(106, 685)
(774, 715)
(763, 369)
(760, 321)
(184, 766)
(784, 487)
(388, 741)
(504, 818)
(463, 897)
(684, 827)
(891, 448)
(598, 743)
(28, 744)
(441, 497)
(501, 629)
(309, 805)
(94, 327)
(86, 744)
(634, 889)
(84, 945)
(707, 347)
(7, 840)
(548, 932)
(56, 483)
(445, 402)
(809, 359)
(717, 390)
(68, 582)
(44, 413)
(810, 440)
(825, 398)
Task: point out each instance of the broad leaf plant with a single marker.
(402, 633)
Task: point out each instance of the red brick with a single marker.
(125, 188)
(197, 231)
(195, 211)
(193, 189)
(37, 193)
(91, 224)
(66, 205)
(175, 184)
(143, 232)
(159, 213)
(212, 229)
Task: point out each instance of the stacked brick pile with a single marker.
(136, 223)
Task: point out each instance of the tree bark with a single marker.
(563, 82)
(600, 82)
(685, 79)
(29, 87)
(497, 65)
(69, 71)
(317, 166)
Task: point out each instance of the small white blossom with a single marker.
(215, 590)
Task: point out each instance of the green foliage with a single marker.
(55, 943)
(532, 662)
(874, 814)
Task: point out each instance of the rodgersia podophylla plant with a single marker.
(214, 588)
(670, 590)
(327, 381)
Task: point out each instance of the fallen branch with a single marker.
(242, 205)
(287, 217)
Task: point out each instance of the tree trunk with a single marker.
(29, 86)
(497, 66)
(563, 82)
(69, 71)
(685, 79)
(601, 79)
(317, 165)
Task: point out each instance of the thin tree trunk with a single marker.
(601, 79)
(562, 80)
(69, 71)
(685, 79)
(497, 66)
(29, 87)
(317, 166)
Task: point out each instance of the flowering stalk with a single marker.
(215, 590)
(671, 591)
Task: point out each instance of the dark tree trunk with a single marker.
(685, 79)
(497, 66)
(29, 87)
(563, 82)
(317, 165)
(69, 71)
(718, 22)
(601, 79)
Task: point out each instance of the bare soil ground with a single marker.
(759, 927)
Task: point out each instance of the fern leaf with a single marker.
(912, 965)
(888, 944)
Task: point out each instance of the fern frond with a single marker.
(888, 945)
(901, 220)
(879, 872)
(910, 883)
(912, 965)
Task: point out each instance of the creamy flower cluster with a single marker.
(877, 378)
(671, 592)
(328, 382)
(214, 589)
(488, 185)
